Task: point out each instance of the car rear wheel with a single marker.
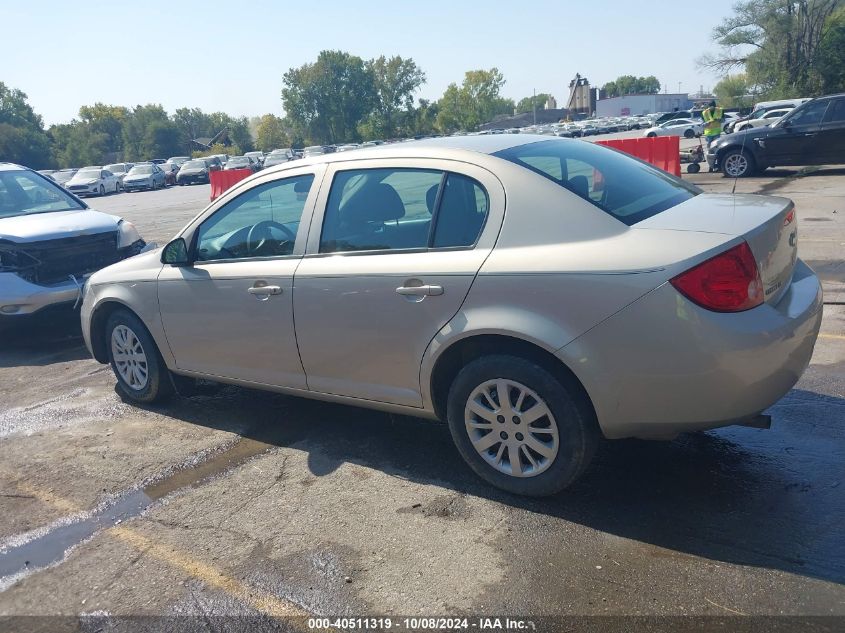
(737, 163)
(135, 360)
(651, 134)
(689, 133)
(518, 427)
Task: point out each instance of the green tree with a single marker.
(192, 123)
(475, 102)
(629, 84)
(831, 55)
(240, 135)
(270, 133)
(325, 101)
(731, 90)
(161, 139)
(22, 137)
(106, 120)
(527, 104)
(779, 44)
(137, 143)
(395, 81)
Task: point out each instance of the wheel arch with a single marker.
(99, 318)
(464, 350)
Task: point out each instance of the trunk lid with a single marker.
(769, 225)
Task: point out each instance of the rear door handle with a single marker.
(264, 290)
(420, 291)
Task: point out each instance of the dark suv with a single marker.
(812, 134)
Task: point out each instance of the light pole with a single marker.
(679, 87)
(534, 103)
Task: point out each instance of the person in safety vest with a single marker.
(713, 117)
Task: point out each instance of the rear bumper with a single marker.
(664, 366)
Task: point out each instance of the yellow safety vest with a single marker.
(712, 121)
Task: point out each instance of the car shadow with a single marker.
(53, 335)
(769, 499)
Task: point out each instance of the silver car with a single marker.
(535, 293)
(50, 241)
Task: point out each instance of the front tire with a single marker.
(737, 163)
(651, 135)
(102, 191)
(518, 427)
(135, 360)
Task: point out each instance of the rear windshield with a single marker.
(628, 189)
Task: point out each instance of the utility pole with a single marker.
(679, 87)
(534, 103)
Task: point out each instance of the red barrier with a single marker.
(661, 151)
(223, 179)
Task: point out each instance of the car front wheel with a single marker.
(518, 427)
(737, 163)
(141, 373)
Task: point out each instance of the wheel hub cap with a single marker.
(511, 428)
(129, 357)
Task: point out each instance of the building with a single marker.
(551, 103)
(642, 104)
(582, 98)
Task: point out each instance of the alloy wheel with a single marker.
(735, 165)
(130, 360)
(511, 427)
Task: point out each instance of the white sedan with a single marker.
(764, 120)
(677, 127)
(93, 181)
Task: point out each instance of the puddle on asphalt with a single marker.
(52, 547)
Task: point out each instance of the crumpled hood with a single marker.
(55, 225)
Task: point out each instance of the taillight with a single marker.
(728, 282)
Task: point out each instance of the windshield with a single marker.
(628, 189)
(117, 167)
(141, 169)
(23, 192)
(85, 174)
(194, 164)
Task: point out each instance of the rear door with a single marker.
(831, 138)
(394, 247)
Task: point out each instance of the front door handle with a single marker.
(264, 291)
(420, 291)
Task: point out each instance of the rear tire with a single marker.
(135, 360)
(693, 168)
(689, 133)
(549, 452)
(651, 135)
(737, 163)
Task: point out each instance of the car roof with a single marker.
(11, 167)
(470, 148)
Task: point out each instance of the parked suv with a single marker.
(50, 242)
(811, 134)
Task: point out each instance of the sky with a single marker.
(230, 56)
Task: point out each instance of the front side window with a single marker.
(400, 209)
(625, 188)
(261, 222)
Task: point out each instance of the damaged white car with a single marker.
(50, 242)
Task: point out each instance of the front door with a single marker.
(394, 250)
(794, 141)
(230, 314)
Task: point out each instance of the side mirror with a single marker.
(175, 253)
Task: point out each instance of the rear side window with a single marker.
(628, 189)
(402, 209)
(836, 112)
